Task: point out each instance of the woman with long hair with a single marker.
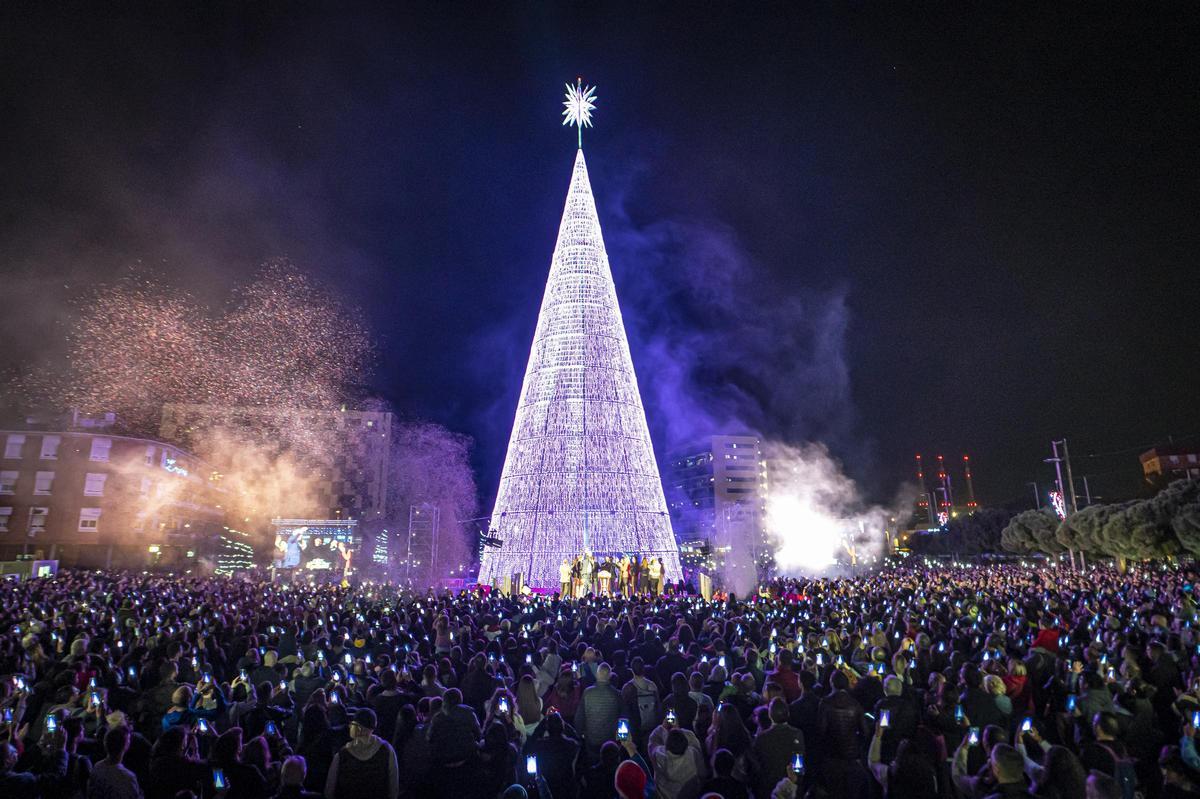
(529, 704)
(498, 759)
(1061, 775)
(728, 732)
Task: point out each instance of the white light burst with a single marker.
(578, 107)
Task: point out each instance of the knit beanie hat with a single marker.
(630, 781)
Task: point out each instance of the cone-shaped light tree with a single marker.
(580, 474)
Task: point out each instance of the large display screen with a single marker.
(325, 548)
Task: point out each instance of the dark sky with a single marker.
(891, 229)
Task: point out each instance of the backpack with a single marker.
(1125, 774)
(647, 705)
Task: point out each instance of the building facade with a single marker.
(717, 493)
(1161, 465)
(96, 500)
(351, 462)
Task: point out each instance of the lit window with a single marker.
(12, 447)
(50, 447)
(8, 482)
(100, 448)
(43, 483)
(89, 520)
(93, 484)
(5, 518)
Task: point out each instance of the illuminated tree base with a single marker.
(580, 474)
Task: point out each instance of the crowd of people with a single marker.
(924, 680)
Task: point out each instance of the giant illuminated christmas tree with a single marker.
(580, 474)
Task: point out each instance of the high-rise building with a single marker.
(716, 492)
(580, 473)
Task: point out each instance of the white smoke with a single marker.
(816, 517)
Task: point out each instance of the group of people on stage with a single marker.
(627, 575)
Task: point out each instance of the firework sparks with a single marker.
(280, 343)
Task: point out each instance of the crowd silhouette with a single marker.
(924, 679)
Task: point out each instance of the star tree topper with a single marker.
(580, 103)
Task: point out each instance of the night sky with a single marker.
(891, 230)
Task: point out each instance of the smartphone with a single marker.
(531, 765)
(1027, 724)
(8, 715)
(283, 685)
(1196, 719)
(245, 675)
(132, 672)
(671, 717)
(333, 698)
(958, 713)
(1071, 700)
(51, 723)
(347, 659)
(202, 726)
(973, 736)
(94, 699)
(337, 677)
(503, 704)
(798, 763)
(272, 729)
(622, 729)
(721, 661)
(219, 781)
(885, 718)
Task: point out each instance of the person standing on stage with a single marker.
(586, 571)
(564, 577)
(577, 576)
(656, 575)
(623, 575)
(644, 576)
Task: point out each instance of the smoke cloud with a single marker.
(431, 466)
(717, 353)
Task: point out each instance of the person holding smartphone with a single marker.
(174, 763)
(676, 759)
(557, 752)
